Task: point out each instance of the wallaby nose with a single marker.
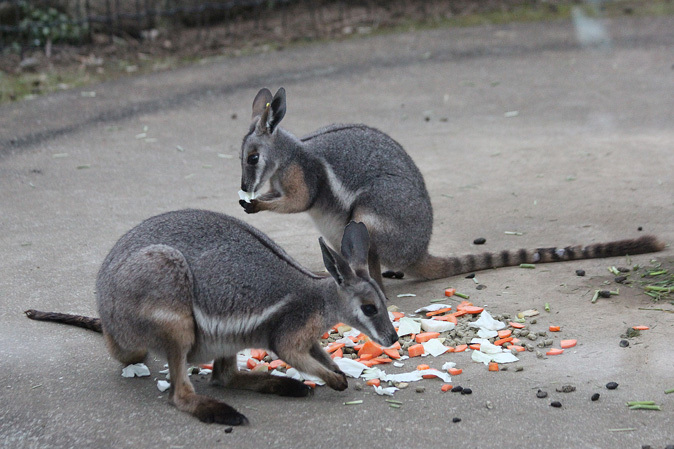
(393, 337)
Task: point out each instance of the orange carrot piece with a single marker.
(493, 366)
(370, 347)
(206, 366)
(464, 304)
(450, 349)
(439, 311)
(310, 384)
(460, 348)
(554, 351)
(517, 325)
(428, 376)
(251, 363)
(425, 336)
(473, 310)
(393, 353)
(517, 348)
(500, 341)
(337, 354)
(332, 347)
(515, 340)
(640, 328)
(395, 345)
(451, 318)
(415, 350)
(325, 335)
(397, 315)
(423, 367)
(258, 354)
(446, 387)
(368, 363)
(358, 347)
(277, 364)
(459, 313)
(366, 356)
(373, 382)
(450, 291)
(554, 328)
(566, 344)
(505, 333)
(382, 360)
(475, 346)
(455, 371)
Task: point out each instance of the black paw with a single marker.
(219, 413)
(249, 208)
(293, 388)
(341, 384)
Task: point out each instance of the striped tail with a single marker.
(433, 267)
(93, 324)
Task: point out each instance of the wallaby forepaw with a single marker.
(219, 413)
(249, 208)
(338, 382)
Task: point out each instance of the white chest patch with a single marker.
(331, 226)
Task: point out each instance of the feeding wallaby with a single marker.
(352, 172)
(199, 286)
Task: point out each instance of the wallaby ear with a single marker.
(262, 99)
(337, 267)
(272, 112)
(277, 111)
(356, 245)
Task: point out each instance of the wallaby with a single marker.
(197, 286)
(352, 172)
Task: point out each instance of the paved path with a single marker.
(515, 128)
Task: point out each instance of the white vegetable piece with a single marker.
(434, 347)
(437, 325)
(432, 308)
(136, 370)
(247, 196)
(388, 391)
(408, 326)
(162, 385)
(350, 367)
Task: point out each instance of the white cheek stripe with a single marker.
(239, 326)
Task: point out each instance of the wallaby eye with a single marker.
(369, 309)
(253, 158)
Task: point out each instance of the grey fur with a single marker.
(353, 172)
(198, 285)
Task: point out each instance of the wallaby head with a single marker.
(259, 160)
(363, 302)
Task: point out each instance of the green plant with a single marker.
(41, 25)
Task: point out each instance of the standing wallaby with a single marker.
(352, 172)
(198, 286)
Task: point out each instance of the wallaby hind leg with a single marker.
(182, 395)
(126, 356)
(225, 373)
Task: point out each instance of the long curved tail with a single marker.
(433, 267)
(93, 324)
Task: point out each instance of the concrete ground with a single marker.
(515, 128)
